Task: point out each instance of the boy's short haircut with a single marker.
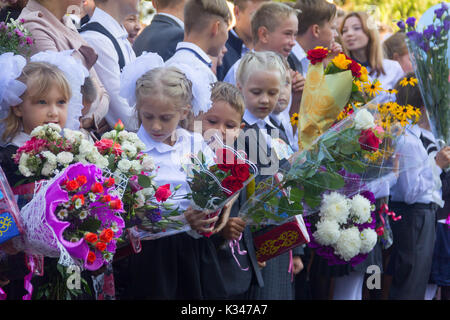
(100, 1)
(198, 13)
(162, 4)
(408, 94)
(223, 91)
(314, 12)
(88, 90)
(270, 15)
(242, 4)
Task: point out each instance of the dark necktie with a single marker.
(428, 144)
(294, 63)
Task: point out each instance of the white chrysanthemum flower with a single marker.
(335, 206)
(109, 135)
(62, 214)
(48, 169)
(73, 136)
(148, 164)
(114, 227)
(107, 256)
(51, 158)
(133, 137)
(83, 214)
(38, 131)
(123, 135)
(348, 244)
(86, 147)
(360, 209)
(124, 165)
(65, 157)
(368, 240)
(139, 145)
(327, 232)
(80, 158)
(129, 149)
(364, 120)
(92, 197)
(23, 165)
(136, 166)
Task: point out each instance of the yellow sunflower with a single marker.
(408, 81)
(341, 61)
(373, 88)
(294, 119)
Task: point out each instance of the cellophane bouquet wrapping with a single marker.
(215, 183)
(428, 50)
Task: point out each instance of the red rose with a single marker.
(91, 257)
(225, 159)
(106, 235)
(115, 204)
(97, 188)
(90, 237)
(106, 198)
(72, 185)
(119, 125)
(110, 182)
(241, 171)
(101, 246)
(368, 140)
(317, 55)
(82, 180)
(355, 67)
(232, 183)
(163, 193)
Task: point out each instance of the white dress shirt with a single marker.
(170, 163)
(419, 180)
(261, 123)
(177, 20)
(20, 139)
(230, 77)
(301, 55)
(394, 73)
(107, 67)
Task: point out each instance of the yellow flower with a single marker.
(391, 91)
(294, 119)
(408, 81)
(364, 74)
(373, 88)
(341, 61)
(404, 113)
(386, 123)
(359, 85)
(388, 107)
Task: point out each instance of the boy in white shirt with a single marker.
(106, 34)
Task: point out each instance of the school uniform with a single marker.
(416, 197)
(298, 59)
(110, 40)
(180, 266)
(161, 36)
(235, 50)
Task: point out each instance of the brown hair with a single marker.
(395, 44)
(242, 4)
(408, 94)
(39, 78)
(374, 52)
(270, 15)
(88, 90)
(223, 91)
(199, 13)
(313, 12)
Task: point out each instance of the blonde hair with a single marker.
(270, 15)
(314, 12)
(198, 14)
(168, 82)
(374, 51)
(39, 77)
(395, 44)
(223, 91)
(262, 61)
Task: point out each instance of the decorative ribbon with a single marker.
(2, 294)
(385, 209)
(235, 243)
(291, 265)
(27, 280)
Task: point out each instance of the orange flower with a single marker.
(90, 237)
(97, 188)
(115, 204)
(81, 180)
(106, 235)
(119, 126)
(72, 185)
(101, 246)
(106, 198)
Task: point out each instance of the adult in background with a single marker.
(53, 30)
(133, 26)
(12, 9)
(165, 30)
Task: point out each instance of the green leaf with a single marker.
(296, 195)
(354, 166)
(90, 224)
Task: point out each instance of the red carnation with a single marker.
(368, 140)
(317, 55)
(232, 183)
(91, 257)
(72, 185)
(101, 246)
(241, 171)
(97, 188)
(163, 193)
(355, 67)
(106, 235)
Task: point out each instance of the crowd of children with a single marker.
(177, 100)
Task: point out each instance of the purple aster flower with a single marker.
(411, 21)
(401, 25)
(428, 32)
(439, 12)
(154, 215)
(414, 36)
(437, 32)
(446, 25)
(18, 32)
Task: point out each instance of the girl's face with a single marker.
(261, 92)
(285, 96)
(37, 111)
(353, 35)
(160, 117)
(222, 119)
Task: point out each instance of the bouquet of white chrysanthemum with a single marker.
(344, 230)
